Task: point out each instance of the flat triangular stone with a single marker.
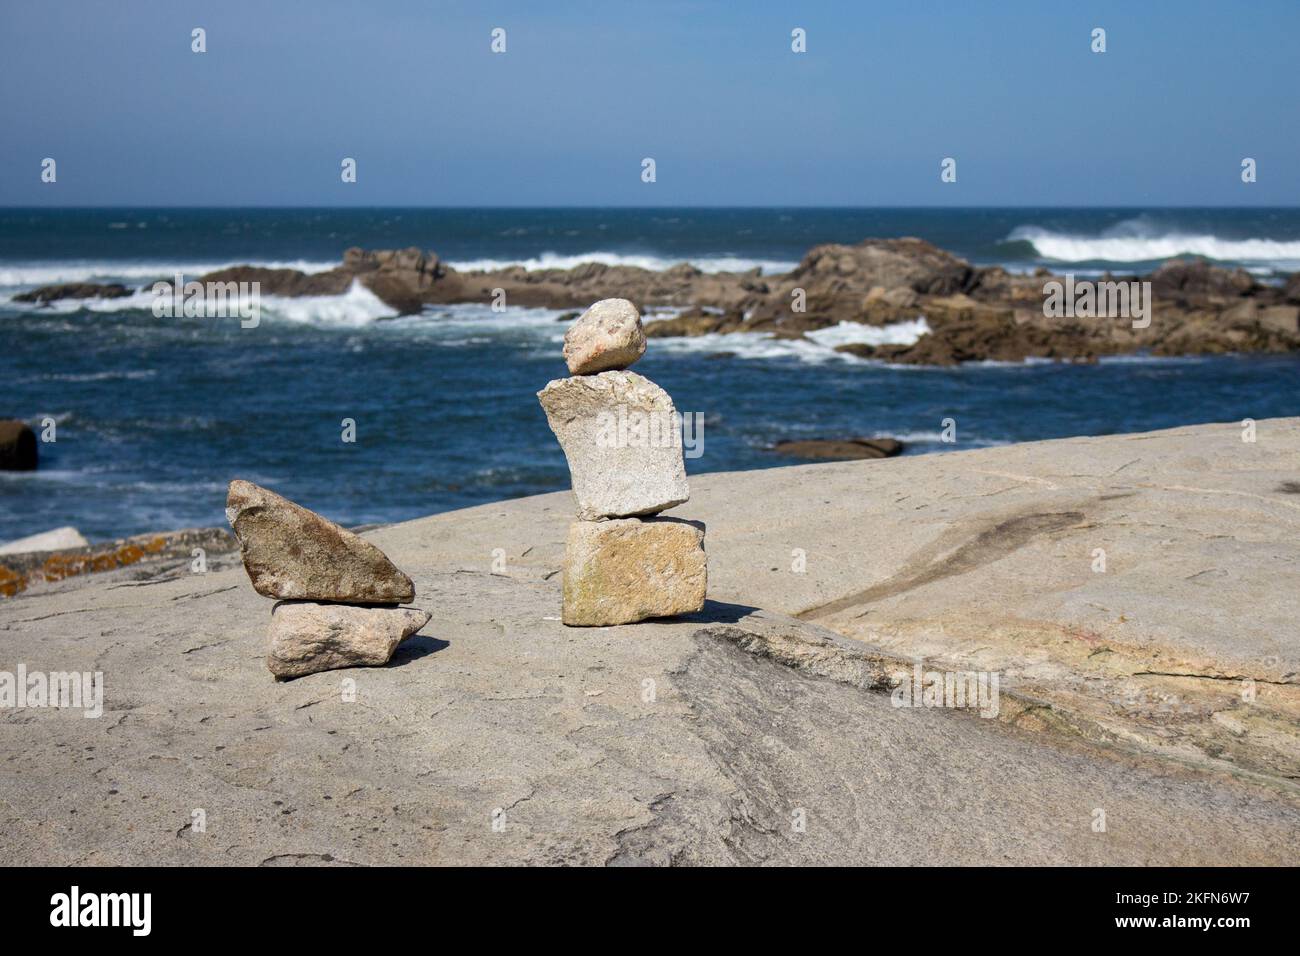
(290, 552)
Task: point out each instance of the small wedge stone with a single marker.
(307, 637)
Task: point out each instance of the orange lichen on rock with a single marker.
(60, 566)
(22, 570)
(11, 582)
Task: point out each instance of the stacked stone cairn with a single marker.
(623, 441)
(338, 595)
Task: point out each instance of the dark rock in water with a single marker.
(836, 277)
(411, 261)
(402, 278)
(74, 290)
(285, 282)
(1292, 289)
(17, 446)
(396, 292)
(720, 355)
(863, 350)
(840, 449)
(694, 322)
(1189, 279)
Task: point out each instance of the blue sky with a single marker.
(710, 90)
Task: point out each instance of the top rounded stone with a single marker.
(607, 336)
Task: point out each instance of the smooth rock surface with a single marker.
(292, 553)
(622, 438)
(307, 637)
(52, 540)
(607, 336)
(693, 740)
(628, 570)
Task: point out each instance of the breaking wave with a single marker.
(1126, 244)
(21, 275)
(354, 308)
(815, 348)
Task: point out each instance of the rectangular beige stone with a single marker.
(627, 570)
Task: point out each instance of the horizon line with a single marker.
(545, 207)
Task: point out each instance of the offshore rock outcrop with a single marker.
(974, 313)
(74, 290)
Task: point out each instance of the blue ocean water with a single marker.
(153, 416)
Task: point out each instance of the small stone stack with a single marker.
(338, 594)
(622, 438)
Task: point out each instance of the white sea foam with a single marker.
(354, 308)
(126, 376)
(30, 274)
(914, 438)
(477, 316)
(552, 260)
(1017, 363)
(23, 275)
(815, 348)
(1154, 359)
(936, 438)
(1132, 243)
(855, 333)
(42, 475)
